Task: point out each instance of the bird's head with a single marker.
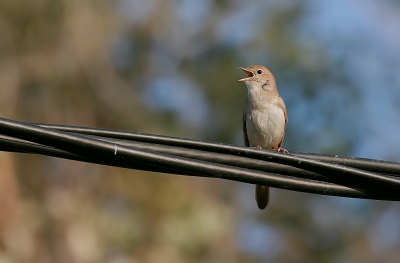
(258, 77)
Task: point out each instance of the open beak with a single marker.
(249, 74)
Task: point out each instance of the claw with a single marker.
(258, 147)
(279, 149)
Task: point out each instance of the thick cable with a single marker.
(83, 146)
(333, 170)
(148, 155)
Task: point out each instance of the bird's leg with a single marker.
(279, 149)
(258, 147)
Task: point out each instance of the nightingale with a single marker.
(264, 118)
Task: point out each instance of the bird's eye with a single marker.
(259, 71)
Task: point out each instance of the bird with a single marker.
(264, 118)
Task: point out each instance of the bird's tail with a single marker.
(262, 196)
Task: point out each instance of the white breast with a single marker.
(265, 126)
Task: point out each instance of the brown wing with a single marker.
(283, 107)
(245, 138)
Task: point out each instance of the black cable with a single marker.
(27, 147)
(20, 146)
(361, 163)
(189, 157)
(350, 175)
(85, 146)
(378, 166)
(244, 162)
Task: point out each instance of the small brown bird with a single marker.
(264, 118)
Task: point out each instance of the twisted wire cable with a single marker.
(311, 173)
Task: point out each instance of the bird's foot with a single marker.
(258, 147)
(279, 149)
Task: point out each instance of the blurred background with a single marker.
(170, 67)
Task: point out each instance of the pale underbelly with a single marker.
(265, 129)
